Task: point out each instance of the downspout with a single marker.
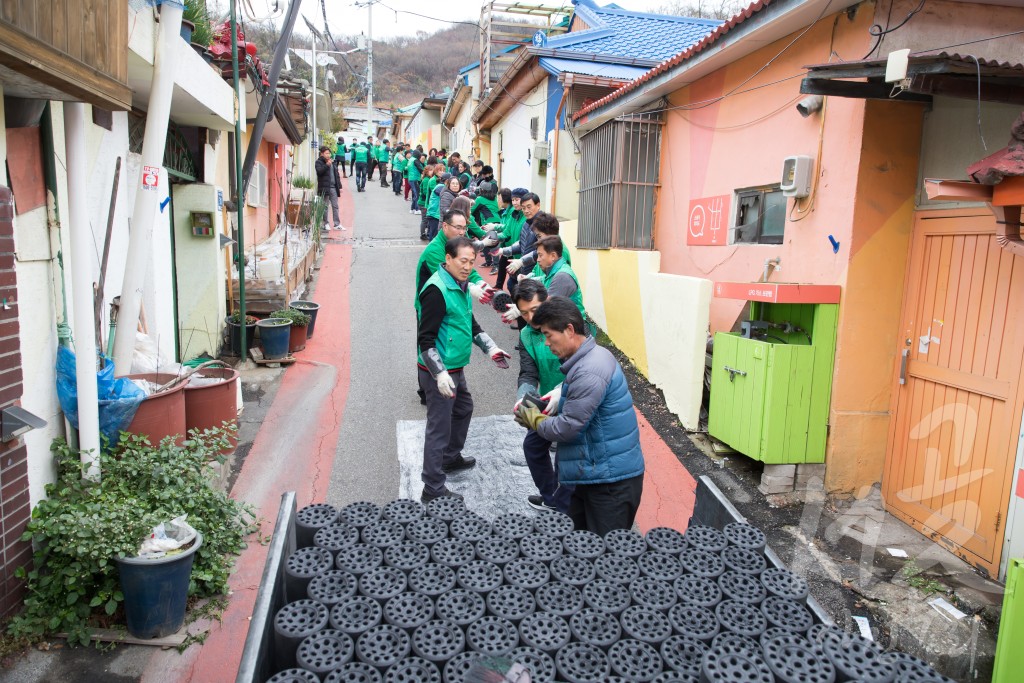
(239, 188)
(82, 294)
(1008, 228)
(554, 153)
(53, 220)
(152, 188)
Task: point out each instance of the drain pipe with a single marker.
(81, 294)
(152, 189)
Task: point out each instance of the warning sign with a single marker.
(150, 177)
(708, 221)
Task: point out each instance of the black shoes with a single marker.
(537, 503)
(460, 463)
(426, 497)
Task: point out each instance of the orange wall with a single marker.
(867, 171)
(261, 221)
(715, 147)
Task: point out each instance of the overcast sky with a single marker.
(347, 19)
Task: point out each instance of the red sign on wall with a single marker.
(708, 221)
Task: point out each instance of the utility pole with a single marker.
(239, 188)
(369, 71)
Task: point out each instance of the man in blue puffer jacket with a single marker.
(593, 423)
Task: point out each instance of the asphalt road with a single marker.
(382, 392)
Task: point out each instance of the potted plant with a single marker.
(199, 34)
(310, 308)
(234, 323)
(82, 528)
(299, 322)
(275, 335)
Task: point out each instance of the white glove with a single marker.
(500, 358)
(488, 242)
(552, 397)
(514, 265)
(445, 384)
(481, 291)
(512, 314)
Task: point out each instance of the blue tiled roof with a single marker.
(621, 72)
(623, 33)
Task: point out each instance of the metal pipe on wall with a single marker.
(81, 294)
(153, 186)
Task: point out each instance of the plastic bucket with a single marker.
(297, 338)
(274, 336)
(160, 415)
(310, 308)
(209, 406)
(235, 336)
(155, 591)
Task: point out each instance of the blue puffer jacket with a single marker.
(596, 429)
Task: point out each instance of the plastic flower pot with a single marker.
(297, 336)
(310, 308)
(155, 591)
(211, 398)
(235, 336)
(187, 27)
(162, 414)
(274, 337)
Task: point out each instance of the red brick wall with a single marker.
(14, 503)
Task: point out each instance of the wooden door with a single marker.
(957, 398)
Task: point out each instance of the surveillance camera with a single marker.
(809, 105)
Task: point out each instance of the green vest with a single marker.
(433, 256)
(383, 154)
(565, 255)
(548, 365)
(413, 172)
(512, 224)
(561, 266)
(361, 153)
(398, 163)
(455, 338)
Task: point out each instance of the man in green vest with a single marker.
(340, 155)
(540, 372)
(445, 336)
(361, 153)
(559, 278)
(413, 174)
(374, 155)
(397, 170)
(383, 156)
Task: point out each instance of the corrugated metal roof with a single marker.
(622, 33)
(621, 72)
(679, 58)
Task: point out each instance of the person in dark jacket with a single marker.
(452, 188)
(530, 205)
(446, 334)
(596, 428)
(328, 185)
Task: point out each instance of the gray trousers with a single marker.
(332, 197)
(447, 426)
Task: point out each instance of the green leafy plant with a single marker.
(81, 526)
(236, 318)
(297, 318)
(915, 578)
(198, 14)
(301, 182)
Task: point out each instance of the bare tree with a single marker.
(702, 9)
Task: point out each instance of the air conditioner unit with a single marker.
(796, 176)
(541, 151)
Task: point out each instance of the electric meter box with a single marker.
(796, 176)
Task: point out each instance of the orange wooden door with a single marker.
(958, 408)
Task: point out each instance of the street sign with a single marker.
(708, 221)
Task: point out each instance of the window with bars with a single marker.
(620, 164)
(534, 127)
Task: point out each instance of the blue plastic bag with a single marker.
(119, 398)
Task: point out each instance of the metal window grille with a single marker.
(534, 127)
(620, 164)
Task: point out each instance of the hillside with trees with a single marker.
(405, 68)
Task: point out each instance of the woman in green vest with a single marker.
(540, 372)
(427, 183)
(397, 170)
(413, 175)
(446, 334)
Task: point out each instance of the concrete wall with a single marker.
(512, 146)
(201, 276)
(658, 320)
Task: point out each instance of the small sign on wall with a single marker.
(202, 224)
(708, 221)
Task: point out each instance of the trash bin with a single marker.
(155, 591)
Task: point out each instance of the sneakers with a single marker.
(445, 493)
(494, 270)
(460, 463)
(537, 503)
